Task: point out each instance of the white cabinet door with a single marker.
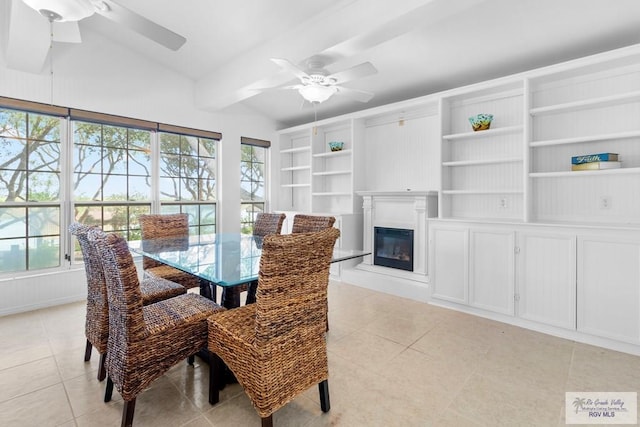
(609, 287)
(546, 286)
(491, 270)
(449, 263)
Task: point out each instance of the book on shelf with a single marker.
(596, 166)
(590, 158)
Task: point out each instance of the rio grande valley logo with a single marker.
(601, 407)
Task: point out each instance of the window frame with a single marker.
(183, 204)
(31, 235)
(254, 206)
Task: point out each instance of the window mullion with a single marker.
(155, 172)
(66, 189)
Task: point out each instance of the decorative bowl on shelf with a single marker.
(481, 121)
(336, 145)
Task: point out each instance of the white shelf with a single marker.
(482, 162)
(295, 150)
(296, 168)
(333, 153)
(483, 133)
(574, 174)
(603, 101)
(295, 185)
(332, 193)
(463, 192)
(591, 138)
(328, 173)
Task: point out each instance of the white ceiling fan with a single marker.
(317, 84)
(72, 11)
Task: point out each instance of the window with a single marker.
(252, 181)
(111, 177)
(30, 155)
(188, 179)
(59, 165)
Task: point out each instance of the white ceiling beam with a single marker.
(340, 33)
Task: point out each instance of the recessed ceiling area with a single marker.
(417, 46)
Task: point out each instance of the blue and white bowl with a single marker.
(481, 121)
(336, 145)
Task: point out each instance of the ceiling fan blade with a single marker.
(355, 94)
(141, 25)
(353, 73)
(287, 65)
(66, 32)
(27, 32)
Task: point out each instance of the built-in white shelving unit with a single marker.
(314, 178)
(591, 108)
(482, 171)
(295, 169)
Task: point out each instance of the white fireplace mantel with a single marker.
(399, 209)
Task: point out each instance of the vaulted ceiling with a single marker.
(418, 46)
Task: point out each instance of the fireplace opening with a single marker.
(393, 247)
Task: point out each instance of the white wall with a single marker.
(400, 157)
(114, 81)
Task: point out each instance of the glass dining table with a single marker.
(227, 260)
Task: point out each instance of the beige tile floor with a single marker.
(393, 362)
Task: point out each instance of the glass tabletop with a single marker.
(226, 259)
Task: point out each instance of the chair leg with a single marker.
(208, 289)
(252, 288)
(191, 359)
(87, 351)
(108, 391)
(230, 297)
(267, 421)
(327, 319)
(216, 378)
(127, 412)
(102, 370)
(325, 405)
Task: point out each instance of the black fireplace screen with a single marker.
(393, 247)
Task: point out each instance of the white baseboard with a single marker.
(386, 283)
(27, 293)
(568, 334)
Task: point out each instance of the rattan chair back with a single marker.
(162, 226)
(311, 223)
(292, 286)
(97, 318)
(268, 223)
(126, 321)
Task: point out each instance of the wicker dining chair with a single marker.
(97, 318)
(310, 223)
(265, 224)
(166, 226)
(144, 341)
(276, 348)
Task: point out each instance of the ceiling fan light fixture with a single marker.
(62, 10)
(317, 93)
